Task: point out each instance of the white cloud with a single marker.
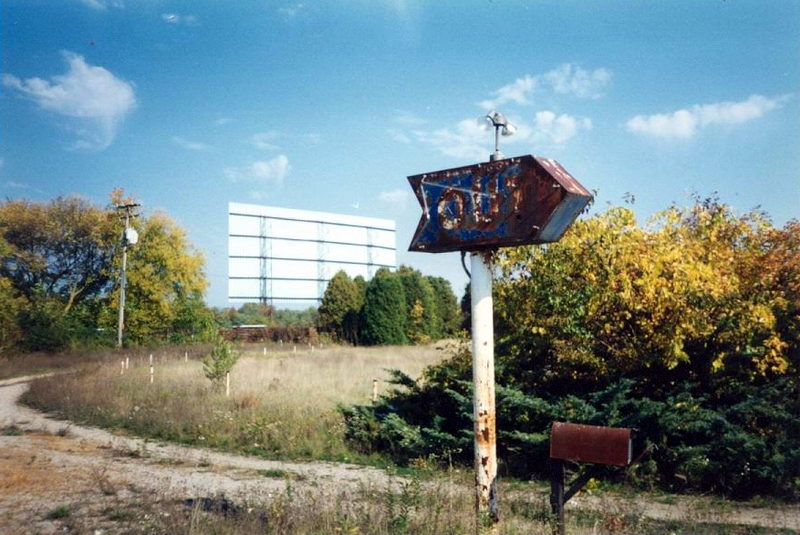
(91, 94)
(175, 18)
(737, 112)
(518, 91)
(102, 5)
(469, 140)
(189, 145)
(274, 170)
(571, 79)
(264, 140)
(223, 121)
(684, 123)
(558, 129)
(406, 118)
(398, 135)
(679, 124)
(568, 78)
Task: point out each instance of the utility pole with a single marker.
(129, 237)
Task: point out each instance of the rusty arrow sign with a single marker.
(516, 201)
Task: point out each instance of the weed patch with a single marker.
(60, 512)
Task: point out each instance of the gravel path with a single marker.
(44, 462)
(182, 476)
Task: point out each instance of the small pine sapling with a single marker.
(220, 361)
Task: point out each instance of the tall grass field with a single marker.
(282, 405)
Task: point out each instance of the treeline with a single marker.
(60, 267)
(394, 307)
(686, 329)
(60, 263)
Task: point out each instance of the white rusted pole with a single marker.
(265, 351)
(151, 359)
(483, 397)
(374, 390)
(152, 373)
(127, 362)
(185, 356)
(122, 367)
(227, 384)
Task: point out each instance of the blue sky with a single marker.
(329, 105)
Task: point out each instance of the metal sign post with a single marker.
(484, 415)
(479, 208)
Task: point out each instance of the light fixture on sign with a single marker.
(501, 126)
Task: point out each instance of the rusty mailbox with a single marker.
(591, 444)
(583, 444)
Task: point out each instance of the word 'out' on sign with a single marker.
(516, 201)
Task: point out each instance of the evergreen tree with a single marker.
(424, 323)
(341, 303)
(446, 305)
(466, 308)
(384, 315)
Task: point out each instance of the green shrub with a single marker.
(687, 330)
(220, 361)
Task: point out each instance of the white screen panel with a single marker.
(292, 249)
(346, 253)
(247, 288)
(244, 225)
(382, 238)
(295, 289)
(294, 269)
(298, 230)
(383, 257)
(244, 267)
(239, 246)
(337, 233)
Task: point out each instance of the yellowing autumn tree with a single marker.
(59, 276)
(165, 284)
(691, 289)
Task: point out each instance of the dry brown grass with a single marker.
(282, 405)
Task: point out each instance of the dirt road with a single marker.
(46, 464)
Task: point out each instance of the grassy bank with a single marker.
(282, 405)
(26, 364)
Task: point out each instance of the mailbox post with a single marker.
(584, 444)
(478, 209)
